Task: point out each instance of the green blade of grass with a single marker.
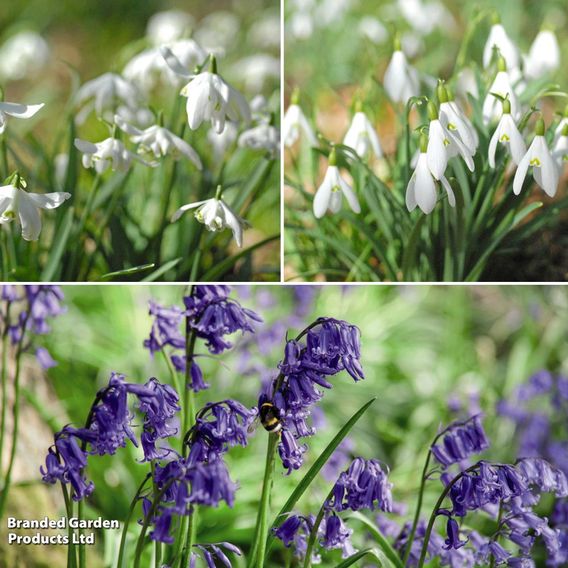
(58, 247)
(127, 271)
(162, 270)
(362, 554)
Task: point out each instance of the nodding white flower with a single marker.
(538, 156)
(295, 123)
(257, 70)
(22, 55)
(401, 80)
(159, 141)
(425, 17)
(223, 141)
(148, 69)
(141, 117)
(261, 137)
(544, 55)
(333, 186)
(422, 187)
(498, 38)
(502, 86)
(373, 29)
(218, 30)
(443, 145)
(108, 153)
(20, 205)
(209, 97)
(561, 125)
(560, 149)
(17, 111)
(362, 137)
(105, 94)
(170, 25)
(216, 215)
(507, 134)
(455, 120)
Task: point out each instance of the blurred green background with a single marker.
(422, 346)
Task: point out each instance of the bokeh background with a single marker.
(429, 354)
(337, 49)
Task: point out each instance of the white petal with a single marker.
(20, 111)
(425, 187)
(234, 223)
(185, 208)
(126, 127)
(493, 144)
(349, 195)
(85, 147)
(29, 218)
(323, 195)
(521, 173)
(436, 153)
(48, 200)
(449, 191)
(410, 194)
(174, 63)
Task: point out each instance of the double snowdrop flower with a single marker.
(502, 86)
(261, 137)
(159, 141)
(295, 123)
(443, 144)
(105, 94)
(401, 80)
(216, 215)
(507, 134)
(17, 111)
(209, 97)
(330, 192)
(362, 136)
(544, 55)
(545, 170)
(18, 204)
(422, 188)
(455, 120)
(108, 153)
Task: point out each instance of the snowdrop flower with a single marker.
(560, 149)
(148, 69)
(401, 79)
(373, 30)
(265, 31)
(498, 38)
(106, 93)
(209, 97)
(422, 188)
(223, 141)
(501, 86)
(216, 215)
(159, 141)
(170, 25)
(507, 134)
(424, 18)
(108, 153)
(455, 120)
(256, 70)
(218, 30)
(362, 136)
(328, 195)
(544, 55)
(23, 54)
(538, 156)
(467, 84)
(261, 137)
(295, 123)
(17, 111)
(443, 145)
(17, 204)
(561, 125)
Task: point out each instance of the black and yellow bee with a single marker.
(270, 417)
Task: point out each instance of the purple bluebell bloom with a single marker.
(291, 453)
(294, 533)
(364, 485)
(453, 532)
(336, 535)
(217, 551)
(44, 358)
(541, 474)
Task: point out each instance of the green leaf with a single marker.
(360, 555)
(58, 247)
(127, 271)
(409, 257)
(162, 270)
(316, 467)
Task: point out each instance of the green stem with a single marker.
(5, 348)
(81, 547)
(127, 521)
(157, 545)
(499, 517)
(71, 557)
(314, 532)
(4, 154)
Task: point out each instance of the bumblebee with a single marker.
(270, 417)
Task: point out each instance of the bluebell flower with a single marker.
(291, 453)
(294, 533)
(453, 532)
(165, 329)
(541, 474)
(286, 532)
(212, 552)
(336, 535)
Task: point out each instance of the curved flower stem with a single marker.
(438, 505)
(499, 518)
(127, 521)
(71, 556)
(314, 532)
(5, 348)
(81, 546)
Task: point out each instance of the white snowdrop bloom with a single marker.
(22, 55)
(362, 136)
(301, 25)
(295, 123)
(265, 32)
(16, 110)
(422, 188)
(560, 149)
(216, 215)
(467, 84)
(544, 55)
(373, 30)
(22, 206)
(333, 187)
(159, 141)
(545, 171)
(261, 137)
(141, 117)
(223, 141)
(401, 80)
(258, 106)
(209, 96)
(501, 86)
(218, 30)
(105, 94)
(561, 125)
(329, 12)
(443, 145)
(507, 134)
(170, 25)
(108, 153)
(424, 17)
(498, 38)
(256, 71)
(456, 121)
(149, 69)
